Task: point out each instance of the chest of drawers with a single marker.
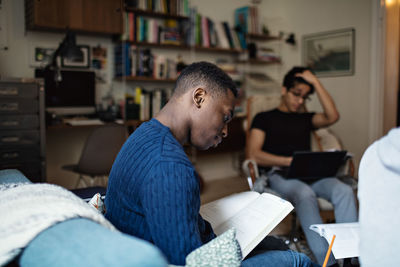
(22, 128)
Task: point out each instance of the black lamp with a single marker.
(290, 39)
(67, 49)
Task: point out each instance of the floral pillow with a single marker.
(224, 250)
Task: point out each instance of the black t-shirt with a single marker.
(284, 132)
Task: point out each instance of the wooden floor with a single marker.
(223, 187)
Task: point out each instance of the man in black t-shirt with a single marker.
(276, 134)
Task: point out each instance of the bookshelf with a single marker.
(144, 79)
(190, 25)
(262, 37)
(255, 61)
(196, 48)
(155, 14)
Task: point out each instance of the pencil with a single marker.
(329, 251)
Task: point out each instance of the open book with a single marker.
(346, 241)
(253, 215)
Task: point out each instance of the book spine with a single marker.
(131, 27)
(228, 34)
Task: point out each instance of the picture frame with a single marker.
(330, 53)
(85, 63)
(40, 55)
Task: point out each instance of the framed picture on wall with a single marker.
(330, 53)
(84, 63)
(40, 55)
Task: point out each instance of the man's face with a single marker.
(295, 97)
(210, 124)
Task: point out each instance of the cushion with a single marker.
(224, 250)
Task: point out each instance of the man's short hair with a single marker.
(290, 79)
(205, 74)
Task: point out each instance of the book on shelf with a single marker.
(131, 25)
(347, 238)
(221, 36)
(122, 60)
(198, 36)
(227, 31)
(212, 33)
(175, 7)
(235, 38)
(241, 17)
(246, 18)
(205, 37)
(253, 215)
(148, 102)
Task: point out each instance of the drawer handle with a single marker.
(9, 107)
(9, 91)
(10, 139)
(10, 123)
(10, 155)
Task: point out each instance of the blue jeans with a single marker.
(304, 199)
(81, 242)
(279, 258)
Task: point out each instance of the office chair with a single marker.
(99, 152)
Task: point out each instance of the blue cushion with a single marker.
(12, 176)
(81, 242)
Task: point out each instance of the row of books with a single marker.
(247, 20)
(173, 7)
(130, 60)
(200, 31)
(150, 30)
(145, 104)
(203, 31)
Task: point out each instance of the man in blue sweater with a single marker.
(153, 192)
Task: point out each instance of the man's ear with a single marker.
(199, 96)
(283, 90)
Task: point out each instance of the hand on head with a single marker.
(308, 76)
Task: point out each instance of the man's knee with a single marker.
(342, 191)
(304, 193)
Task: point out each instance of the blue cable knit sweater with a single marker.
(153, 193)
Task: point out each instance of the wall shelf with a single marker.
(217, 49)
(148, 13)
(258, 62)
(186, 47)
(144, 79)
(262, 37)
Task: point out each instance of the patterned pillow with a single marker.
(224, 250)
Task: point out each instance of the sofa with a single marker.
(47, 225)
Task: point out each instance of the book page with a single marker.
(347, 238)
(255, 221)
(220, 210)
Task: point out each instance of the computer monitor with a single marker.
(73, 95)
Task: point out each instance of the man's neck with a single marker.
(282, 107)
(175, 119)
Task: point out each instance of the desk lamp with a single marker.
(67, 49)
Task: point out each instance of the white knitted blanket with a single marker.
(28, 209)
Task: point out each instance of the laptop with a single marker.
(308, 165)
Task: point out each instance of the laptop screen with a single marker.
(312, 165)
